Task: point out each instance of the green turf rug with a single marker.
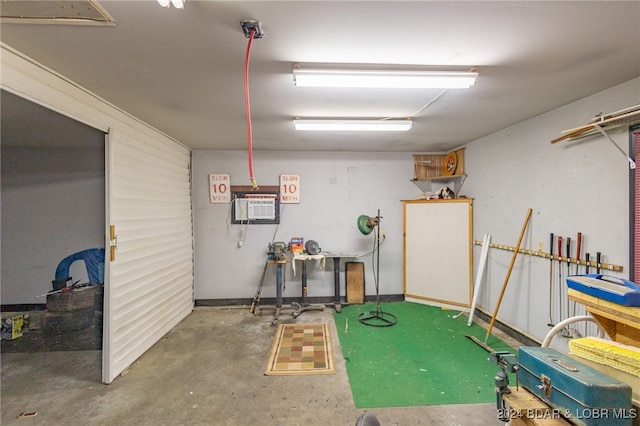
(425, 359)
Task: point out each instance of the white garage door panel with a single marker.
(131, 339)
(149, 286)
(142, 282)
(152, 275)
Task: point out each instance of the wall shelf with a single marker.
(433, 171)
(435, 183)
(603, 122)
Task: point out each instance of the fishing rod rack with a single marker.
(543, 254)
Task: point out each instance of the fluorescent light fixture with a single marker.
(178, 4)
(353, 125)
(383, 79)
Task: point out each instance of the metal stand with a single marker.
(336, 284)
(280, 278)
(377, 318)
(304, 306)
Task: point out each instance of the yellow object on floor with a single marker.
(14, 325)
(606, 352)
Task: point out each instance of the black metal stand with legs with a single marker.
(377, 318)
(304, 305)
(280, 277)
(278, 293)
(336, 283)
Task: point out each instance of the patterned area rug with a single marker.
(301, 349)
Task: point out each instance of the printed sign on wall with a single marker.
(219, 188)
(289, 189)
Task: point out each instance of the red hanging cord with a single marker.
(248, 110)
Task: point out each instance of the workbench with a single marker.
(622, 324)
(303, 305)
(280, 277)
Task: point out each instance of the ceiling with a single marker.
(182, 71)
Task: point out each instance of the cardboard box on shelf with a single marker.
(297, 245)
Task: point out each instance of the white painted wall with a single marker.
(336, 187)
(572, 186)
(52, 206)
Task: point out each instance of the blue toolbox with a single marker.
(612, 289)
(577, 392)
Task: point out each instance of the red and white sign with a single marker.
(219, 188)
(289, 189)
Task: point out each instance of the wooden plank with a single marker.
(524, 408)
(262, 189)
(546, 255)
(573, 134)
(460, 165)
(354, 282)
(627, 314)
(628, 116)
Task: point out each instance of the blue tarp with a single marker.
(94, 261)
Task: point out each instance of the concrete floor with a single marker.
(207, 371)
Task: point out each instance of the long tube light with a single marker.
(178, 4)
(353, 125)
(383, 79)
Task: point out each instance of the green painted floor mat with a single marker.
(425, 359)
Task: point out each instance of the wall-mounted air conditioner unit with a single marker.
(248, 209)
